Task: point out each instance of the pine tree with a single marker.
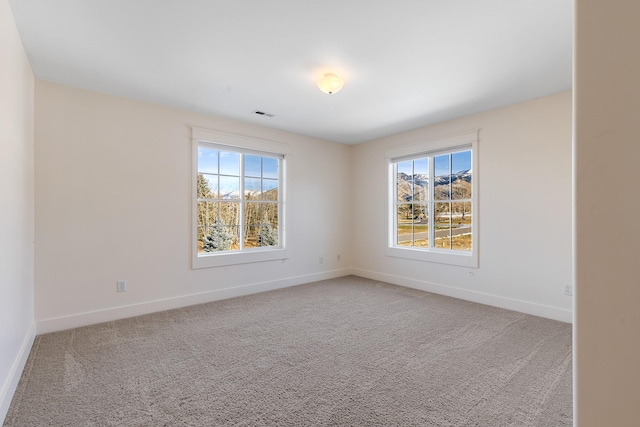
(220, 239)
(268, 235)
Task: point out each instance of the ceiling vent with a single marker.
(262, 113)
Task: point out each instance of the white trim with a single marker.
(427, 146)
(11, 384)
(224, 138)
(110, 314)
(235, 148)
(231, 258)
(460, 258)
(100, 316)
(549, 312)
(574, 242)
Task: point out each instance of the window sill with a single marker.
(231, 258)
(462, 259)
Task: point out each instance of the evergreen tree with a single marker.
(206, 212)
(268, 235)
(220, 239)
(204, 192)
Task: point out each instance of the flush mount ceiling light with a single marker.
(330, 84)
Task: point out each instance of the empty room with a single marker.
(408, 213)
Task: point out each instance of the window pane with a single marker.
(412, 225)
(404, 188)
(443, 241)
(404, 229)
(461, 186)
(421, 190)
(405, 212)
(207, 186)
(229, 163)
(269, 189)
(270, 168)
(443, 165)
(207, 160)
(252, 188)
(263, 235)
(443, 214)
(419, 212)
(421, 225)
(252, 213)
(200, 243)
(421, 167)
(461, 162)
(230, 213)
(442, 233)
(461, 215)
(252, 166)
(268, 235)
(405, 168)
(261, 221)
(218, 238)
(461, 232)
(270, 214)
(229, 187)
(251, 236)
(207, 213)
(442, 188)
(462, 239)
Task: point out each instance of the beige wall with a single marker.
(607, 149)
(16, 207)
(524, 234)
(113, 191)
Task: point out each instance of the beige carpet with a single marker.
(342, 352)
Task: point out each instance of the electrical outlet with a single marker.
(339, 257)
(121, 286)
(567, 290)
(321, 260)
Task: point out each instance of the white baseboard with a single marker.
(10, 385)
(540, 310)
(107, 315)
(99, 316)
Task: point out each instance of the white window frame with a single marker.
(456, 142)
(248, 145)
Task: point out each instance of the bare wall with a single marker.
(607, 149)
(16, 207)
(113, 191)
(524, 210)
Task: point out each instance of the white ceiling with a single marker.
(406, 63)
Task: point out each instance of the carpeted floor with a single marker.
(341, 352)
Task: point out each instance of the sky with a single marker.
(260, 172)
(445, 164)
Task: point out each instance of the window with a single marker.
(239, 200)
(433, 201)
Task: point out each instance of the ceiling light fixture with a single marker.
(330, 84)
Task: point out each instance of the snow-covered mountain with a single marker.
(411, 187)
